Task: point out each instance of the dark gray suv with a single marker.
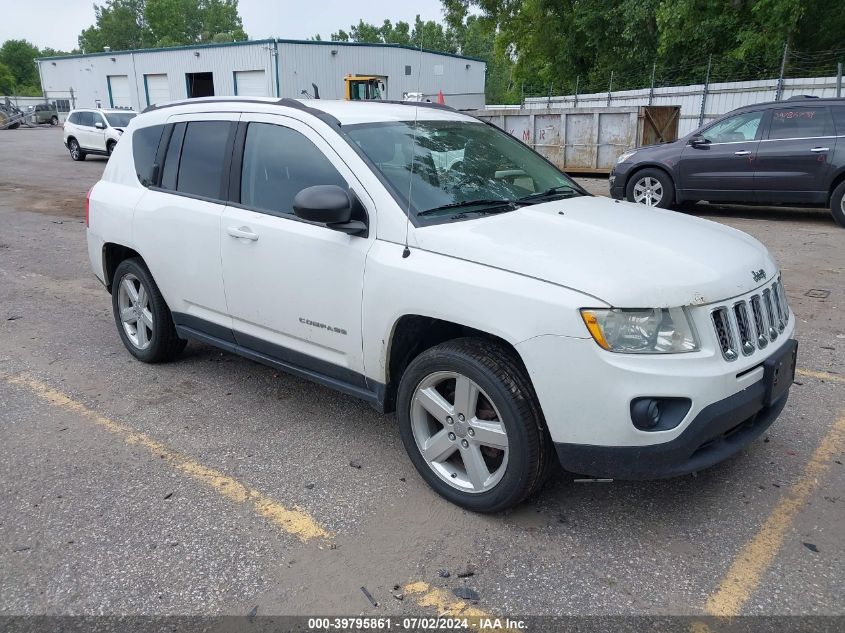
(785, 152)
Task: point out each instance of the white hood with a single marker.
(625, 254)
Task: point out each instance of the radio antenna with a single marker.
(407, 251)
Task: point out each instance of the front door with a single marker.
(293, 287)
(793, 159)
(721, 167)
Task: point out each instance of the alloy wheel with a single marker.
(133, 302)
(648, 191)
(459, 432)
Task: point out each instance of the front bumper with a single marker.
(617, 180)
(717, 432)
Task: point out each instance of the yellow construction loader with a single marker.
(365, 87)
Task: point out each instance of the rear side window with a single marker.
(838, 113)
(279, 163)
(86, 119)
(144, 147)
(203, 158)
(800, 123)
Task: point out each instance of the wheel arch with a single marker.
(113, 255)
(837, 180)
(412, 334)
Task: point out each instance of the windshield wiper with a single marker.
(492, 206)
(548, 192)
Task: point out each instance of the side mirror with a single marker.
(100, 125)
(333, 206)
(699, 141)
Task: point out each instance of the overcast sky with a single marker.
(57, 23)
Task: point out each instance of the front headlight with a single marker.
(625, 156)
(641, 331)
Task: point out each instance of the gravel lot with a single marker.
(134, 489)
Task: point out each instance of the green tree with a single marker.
(19, 57)
(130, 24)
(7, 80)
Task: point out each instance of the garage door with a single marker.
(250, 83)
(158, 89)
(119, 91)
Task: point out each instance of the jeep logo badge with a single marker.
(759, 275)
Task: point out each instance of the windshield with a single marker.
(119, 119)
(458, 168)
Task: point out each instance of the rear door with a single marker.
(86, 133)
(722, 168)
(793, 160)
(178, 219)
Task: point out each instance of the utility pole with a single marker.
(704, 92)
(839, 79)
(779, 91)
(651, 90)
(578, 80)
(610, 89)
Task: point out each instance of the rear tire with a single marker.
(651, 187)
(54, 120)
(497, 454)
(76, 152)
(837, 204)
(142, 317)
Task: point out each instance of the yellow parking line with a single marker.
(821, 375)
(757, 555)
(293, 521)
(427, 596)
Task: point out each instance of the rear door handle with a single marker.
(743, 152)
(242, 232)
(820, 149)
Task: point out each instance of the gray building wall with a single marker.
(299, 65)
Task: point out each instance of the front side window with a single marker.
(800, 123)
(203, 158)
(448, 169)
(278, 163)
(742, 127)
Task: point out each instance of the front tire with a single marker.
(76, 152)
(837, 204)
(471, 425)
(110, 147)
(142, 317)
(651, 187)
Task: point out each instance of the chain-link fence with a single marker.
(723, 84)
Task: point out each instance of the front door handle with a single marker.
(743, 152)
(242, 232)
(820, 149)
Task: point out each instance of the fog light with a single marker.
(645, 413)
(659, 414)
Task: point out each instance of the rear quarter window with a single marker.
(203, 158)
(145, 142)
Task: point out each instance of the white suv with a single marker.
(430, 264)
(95, 131)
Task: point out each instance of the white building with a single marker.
(272, 67)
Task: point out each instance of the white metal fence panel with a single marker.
(696, 107)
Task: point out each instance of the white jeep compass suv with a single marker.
(430, 264)
(95, 131)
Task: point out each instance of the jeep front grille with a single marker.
(752, 322)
